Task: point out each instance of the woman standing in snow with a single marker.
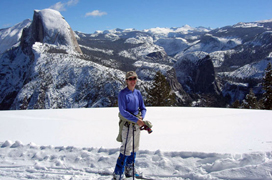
(132, 112)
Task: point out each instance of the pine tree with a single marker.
(236, 104)
(267, 87)
(160, 93)
(251, 101)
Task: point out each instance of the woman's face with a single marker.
(131, 82)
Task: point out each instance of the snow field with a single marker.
(186, 143)
(19, 161)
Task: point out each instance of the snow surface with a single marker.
(186, 143)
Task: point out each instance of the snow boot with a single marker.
(129, 171)
(118, 177)
(130, 165)
(120, 167)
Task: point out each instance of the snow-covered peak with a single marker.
(164, 32)
(116, 31)
(247, 25)
(184, 28)
(158, 30)
(98, 32)
(265, 21)
(54, 24)
(10, 37)
(259, 24)
(55, 29)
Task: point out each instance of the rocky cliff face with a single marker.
(204, 77)
(197, 76)
(182, 97)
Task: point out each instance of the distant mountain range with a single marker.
(45, 64)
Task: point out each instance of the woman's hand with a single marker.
(140, 122)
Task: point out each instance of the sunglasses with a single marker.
(132, 79)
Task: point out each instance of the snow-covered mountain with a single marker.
(44, 64)
(47, 71)
(228, 48)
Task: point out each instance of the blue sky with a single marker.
(90, 15)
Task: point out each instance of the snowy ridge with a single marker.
(265, 21)
(253, 70)
(167, 32)
(247, 25)
(10, 37)
(173, 46)
(219, 56)
(211, 44)
(106, 51)
(138, 52)
(147, 70)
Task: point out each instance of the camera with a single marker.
(145, 127)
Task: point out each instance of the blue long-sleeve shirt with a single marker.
(130, 102)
